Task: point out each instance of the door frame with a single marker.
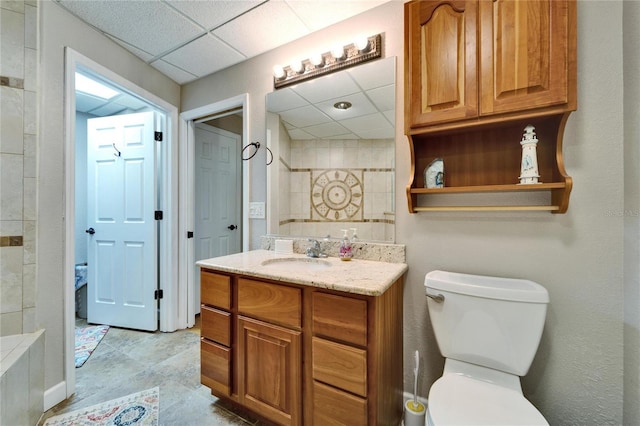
(172, 314)
(187, 183)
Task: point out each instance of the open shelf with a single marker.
(487, 159)
(490, 188)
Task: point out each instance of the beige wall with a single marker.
(577, 376)
(59, 29)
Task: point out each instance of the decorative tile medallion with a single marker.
(337, 194)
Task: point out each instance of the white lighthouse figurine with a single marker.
(529, 168)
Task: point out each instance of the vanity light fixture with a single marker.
(362, 50)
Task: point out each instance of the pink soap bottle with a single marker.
(345, 247)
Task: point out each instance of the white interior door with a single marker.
(122, 258)
(218, 196)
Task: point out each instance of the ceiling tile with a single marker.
(108, 109)
(320, 14)
(131, 102)
(326, 129)
(381, 133)
(284, 99)
(327, 87)
(85, 102)
(384, 98)
(306, 116)
(375, 74)
(348, 136)
(391, 116)
(196, 56)
(178, 75)
(367, 122)
(297, 134)
(271, 25)
(161, 29)
(145, 56)
(212, 14)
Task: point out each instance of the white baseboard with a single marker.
(55, 395)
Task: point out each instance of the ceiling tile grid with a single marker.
(188, 39)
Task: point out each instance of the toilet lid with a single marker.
(460, 400)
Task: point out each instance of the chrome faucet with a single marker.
(315, 250)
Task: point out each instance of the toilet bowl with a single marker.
(488, 329)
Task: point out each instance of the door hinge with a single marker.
(158, 215)
(157, 136)
(189, 234)
(158, 294)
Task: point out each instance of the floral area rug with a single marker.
(87, 339)
(136, 409)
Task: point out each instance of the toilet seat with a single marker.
(455, 399)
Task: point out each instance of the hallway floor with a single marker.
(128, 361)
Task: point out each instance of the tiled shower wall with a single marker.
(18, 175)
(367, 168)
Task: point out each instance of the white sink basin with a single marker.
(297, 264)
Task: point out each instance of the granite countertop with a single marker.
(367, 277)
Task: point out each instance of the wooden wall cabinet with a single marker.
(477, 73)
(300, 355)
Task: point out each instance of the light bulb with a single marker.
(338, 52)
(362, 43)
(297, 66)
(317, 60)
(278, 72)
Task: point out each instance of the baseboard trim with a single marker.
(55, 394)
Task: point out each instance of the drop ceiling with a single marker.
(189, 39)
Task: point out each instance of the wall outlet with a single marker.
(256, 210)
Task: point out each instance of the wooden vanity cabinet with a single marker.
(477, 72)
(215, 341)
(301, 355)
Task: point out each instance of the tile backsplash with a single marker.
(329, 185)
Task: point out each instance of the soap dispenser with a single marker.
(354, 235)
(345, 247)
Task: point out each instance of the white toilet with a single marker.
(488, 329)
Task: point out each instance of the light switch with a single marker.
(256, 210)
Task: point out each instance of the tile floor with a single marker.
(128, 361)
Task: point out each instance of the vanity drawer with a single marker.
(334, 407)
(216, 325)
(272, 302)
(215, 366)
(340, 365)
(341, 318)
(215, 289)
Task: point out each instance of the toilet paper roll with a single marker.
(414, 414)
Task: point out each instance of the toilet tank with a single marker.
(489, 321)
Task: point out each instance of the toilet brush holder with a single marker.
(415, 413)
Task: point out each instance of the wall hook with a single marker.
(117, 153)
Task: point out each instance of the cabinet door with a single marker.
(441, 58)
(527, 51)
(270, 367)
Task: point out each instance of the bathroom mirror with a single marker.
(333, 142)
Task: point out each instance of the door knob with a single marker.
(232, 227)
(90, 231)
